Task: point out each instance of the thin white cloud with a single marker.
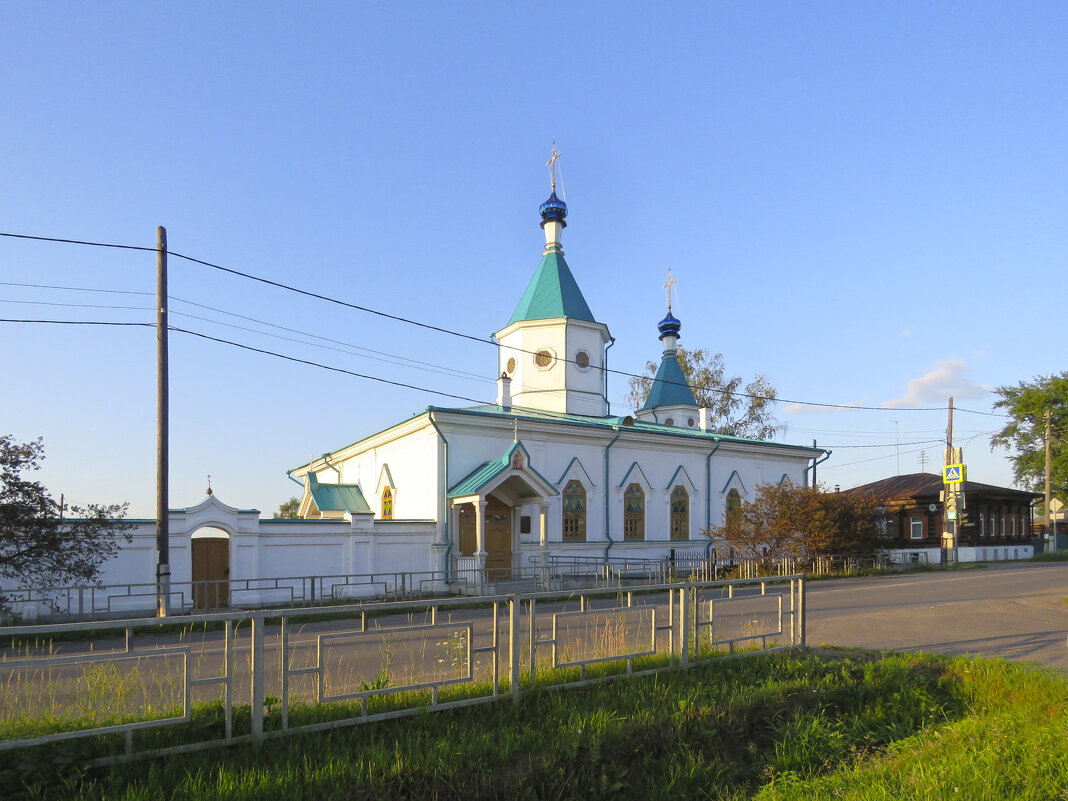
(949, 379)
(906, 332)
(797, 408)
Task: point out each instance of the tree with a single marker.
(1025, 433)
(288, 510)
(39, 546)
(735, 411)
(784, 520)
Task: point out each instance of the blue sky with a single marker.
(864, 202)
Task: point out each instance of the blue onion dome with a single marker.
(553, 208)
(669, 326)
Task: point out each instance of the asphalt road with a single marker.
(1011, 611)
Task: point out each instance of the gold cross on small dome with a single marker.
(670, 285)
(551, 163)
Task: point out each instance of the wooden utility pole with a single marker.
(1052, 542)
(163, 564)
(949, 430)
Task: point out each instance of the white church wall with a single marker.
(534, 386)
(412, 458)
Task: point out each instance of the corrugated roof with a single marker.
(928, 485)
(669, 387)
(551, 293)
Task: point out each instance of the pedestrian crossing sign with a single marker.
(953, 474)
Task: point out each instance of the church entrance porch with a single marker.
(495, 517)
(498, 539)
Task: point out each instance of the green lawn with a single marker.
(826, 724)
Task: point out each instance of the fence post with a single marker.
(684, 621)
(259, 668)
(801, 609)
(513, 646)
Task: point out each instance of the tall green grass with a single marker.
(833, 724)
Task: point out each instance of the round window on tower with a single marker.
(510, 368)
(670, 421)
(689, 422)
(543, 358)
(582, 359)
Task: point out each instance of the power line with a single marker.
(882, 445)
(75, 322)
(250, 348)
(470, 337)
(379, 355)
(323, 366)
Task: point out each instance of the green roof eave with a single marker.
(614, 423)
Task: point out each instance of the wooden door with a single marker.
(211, 573)
(498, 538)
(466, 539)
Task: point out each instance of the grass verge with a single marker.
(832, 723)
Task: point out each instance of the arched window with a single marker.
(574, 512)
(387, 504)
(634, 513)
(733, 511)
(680, 513)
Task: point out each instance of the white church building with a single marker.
(547, 471)
(546, 475)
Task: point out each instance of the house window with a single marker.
(1014, 525)
(733, 511)
(680, 514)
(982, 525)
(634, 513)
(574, 512)
(1004, 528)
(916, 528)
(387, 504)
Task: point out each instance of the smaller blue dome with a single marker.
(553, 208)
(669, 326)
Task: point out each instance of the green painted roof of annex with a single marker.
(337, 497)
(552, 292)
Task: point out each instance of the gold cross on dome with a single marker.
(551, 163)
(669, 286)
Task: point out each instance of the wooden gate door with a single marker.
(498, 539)
(211, 573)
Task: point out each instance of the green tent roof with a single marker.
(552, 292)
(669, 387)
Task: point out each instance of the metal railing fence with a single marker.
(543, 573)
(244, 677)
